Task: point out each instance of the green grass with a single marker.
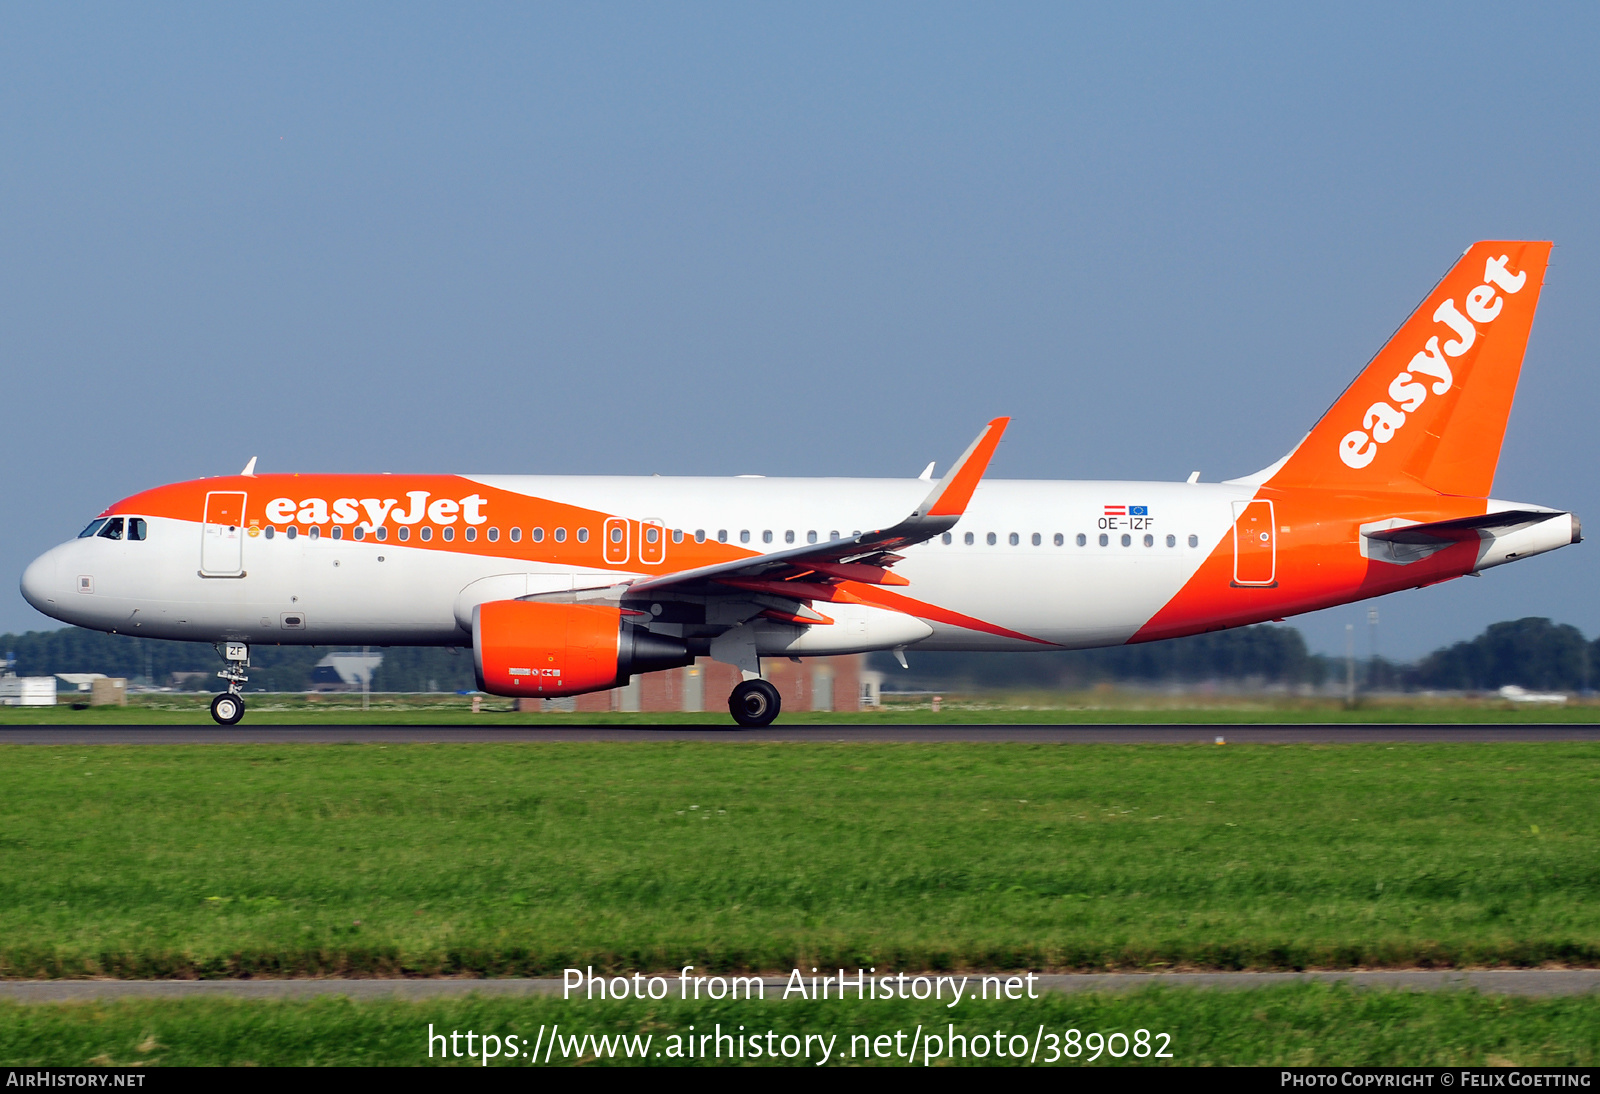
(1304, 1024)
(523, 859)
(1093, 707)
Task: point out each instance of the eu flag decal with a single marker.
(1138, 511)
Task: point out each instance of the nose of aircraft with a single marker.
(41, 584)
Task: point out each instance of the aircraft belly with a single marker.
(1074, 601)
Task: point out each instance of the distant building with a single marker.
(345, 671)
(815, 683)
(27, 691)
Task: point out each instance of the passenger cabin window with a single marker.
(113, 529)
(316, 533)
(699, 535)
(811, 537)
(677, 535)
(270, 531)
(494, 535)
(1194, 541)
(1061, 539)
(1127, 540)
(291, 531)
(472, 535)
(583, 535)
(722, 535)
(383, 534)
(766, 537)
(788, 537)
(1014, 539)
(946, 538)
(426, 534)
(338, 533)
(744, 535)
(137, 529)
(561, 535)
(991, 538)
(94, 526)
(405, 533)
(361, 533)
(447, 534)
(537, 535)
(1082, 539)
(1104, 539)
(967, 539)
(1149, 541)
(516, 535)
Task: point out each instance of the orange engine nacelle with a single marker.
(545, 650)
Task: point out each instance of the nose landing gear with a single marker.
(228, 707)
(754, 703)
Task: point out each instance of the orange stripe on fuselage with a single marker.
(1319, 562)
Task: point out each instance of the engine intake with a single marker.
(530, 648)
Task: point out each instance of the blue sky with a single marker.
(809, 239)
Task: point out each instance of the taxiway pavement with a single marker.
(1399, 733)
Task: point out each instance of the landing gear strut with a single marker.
(228, 707)
(754, 703)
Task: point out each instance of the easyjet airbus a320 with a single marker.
(565, 584)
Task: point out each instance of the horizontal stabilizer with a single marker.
(1463, 528)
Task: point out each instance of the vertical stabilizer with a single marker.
(1430, 409)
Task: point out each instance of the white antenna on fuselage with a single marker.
(249, 468)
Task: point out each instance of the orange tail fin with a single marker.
(1430, 409)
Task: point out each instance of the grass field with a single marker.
(1098, 706)
(524, 859)
(1306, 1024)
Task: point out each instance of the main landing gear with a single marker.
(228, 707)
(754, 703)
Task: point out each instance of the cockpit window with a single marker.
(112, 530)
(137, 529)
(94, 526)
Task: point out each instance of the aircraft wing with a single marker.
(814, 572)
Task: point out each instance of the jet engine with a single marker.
(542, 650)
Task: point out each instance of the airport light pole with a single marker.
(1350, 664)
(1372, 635)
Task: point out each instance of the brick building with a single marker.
(814, 683)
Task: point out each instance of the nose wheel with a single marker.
(227, 708)
(754, 703)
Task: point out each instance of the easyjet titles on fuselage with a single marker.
(346, 511)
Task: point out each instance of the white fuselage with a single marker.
(1023, 571)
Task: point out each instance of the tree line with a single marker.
(194, 664)
(1533, 652)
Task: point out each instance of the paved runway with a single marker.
(853, 733)
(1528, 982)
